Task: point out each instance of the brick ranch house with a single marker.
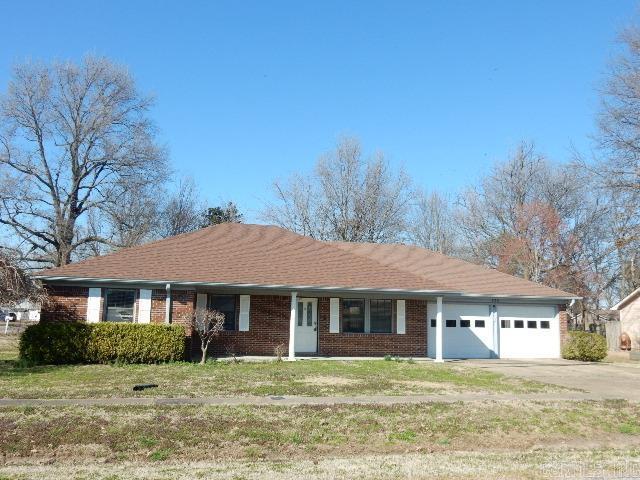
(315, 298)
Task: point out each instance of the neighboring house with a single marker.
(629, 308)
(317, 298)
(24, 311)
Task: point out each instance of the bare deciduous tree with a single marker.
(619, 169)
(348, 197)
(74, 139)
(536, 220)
(15, 283)
(432, 225)
(183, 211)
(207, 324)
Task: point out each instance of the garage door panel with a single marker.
(529, 331)
(470, 334)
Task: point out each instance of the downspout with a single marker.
(167, 305)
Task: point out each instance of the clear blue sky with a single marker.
(250, 91)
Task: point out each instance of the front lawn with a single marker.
(315, 442)
(226, 378)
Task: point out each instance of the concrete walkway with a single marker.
(300, 400)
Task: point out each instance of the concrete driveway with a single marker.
(607, 380)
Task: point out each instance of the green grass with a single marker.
(304, 377)
(195, 433)
(518, 440)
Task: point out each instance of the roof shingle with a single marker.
(271, 256)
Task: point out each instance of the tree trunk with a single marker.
(203, 360)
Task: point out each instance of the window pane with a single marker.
(300, 307)
(518, 324)
(451, 323)
(433, 322)
(532, 324)
(353, 315)
(544, 324)
(479, 324)
(309, 314)
(119, 305)
(225, 304)
(505, 323)
(465, 323)
(381, 316)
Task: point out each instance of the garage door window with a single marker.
(433, 322)
(505, 323)
(465, 323)
(479, 324)
(518, 324)
(451, 323)
(544, 323)
(532, 324)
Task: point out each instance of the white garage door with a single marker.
(467, 330)
(528, 331)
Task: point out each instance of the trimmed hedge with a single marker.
(66, 342)
(585, 346)
(55, 343)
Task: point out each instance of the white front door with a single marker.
(307, 326)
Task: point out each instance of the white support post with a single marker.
(167, 305)
(439, 329)
(292, 325)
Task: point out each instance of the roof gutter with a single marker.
(325, 288)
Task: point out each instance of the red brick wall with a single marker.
(563, 316)
(157, 305)
(69, 303)
(65, 303)
(268, 328)
(411, 344)
(268, 325)
(183, 304)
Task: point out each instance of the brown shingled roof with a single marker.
(270, 256)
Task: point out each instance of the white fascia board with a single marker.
(626, 299)
(306, 288)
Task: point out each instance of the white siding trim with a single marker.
(201, 305)
(400, 317)
(334, 315)
(144, 306)
(245, 302)
(93, 305)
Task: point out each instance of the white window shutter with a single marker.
(93, 305)
(144, 306)
(400, 317)
(245, 302)
(201, 305)
(334, 315)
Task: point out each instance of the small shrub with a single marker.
(585, 346)
(65, 343)
(388, 358)
(279, 351)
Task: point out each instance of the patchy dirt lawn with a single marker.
(507, 439)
